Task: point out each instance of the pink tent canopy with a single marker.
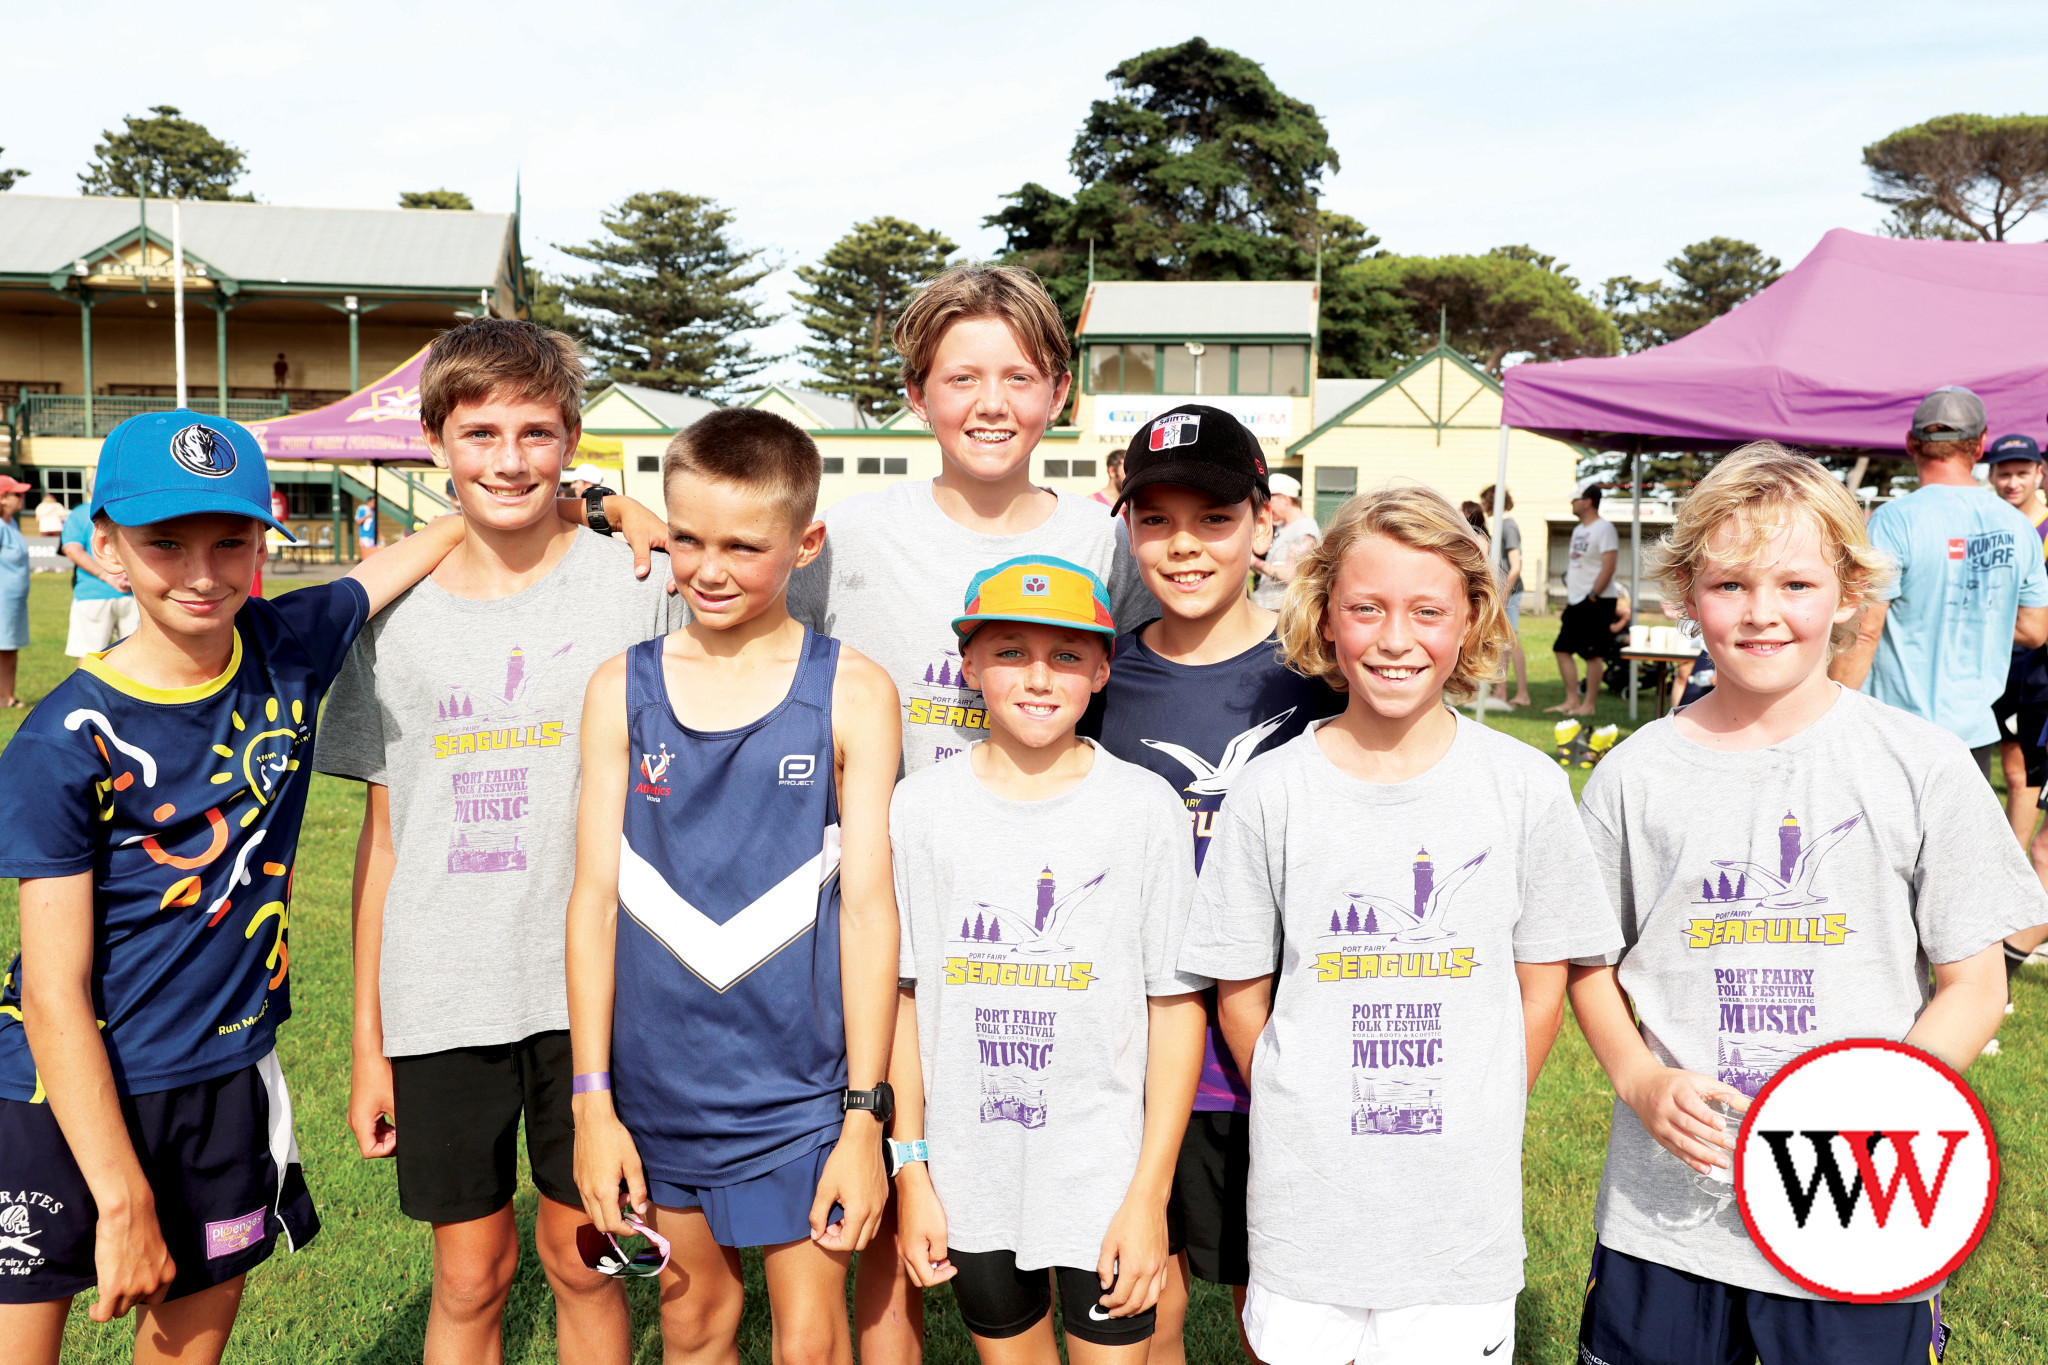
(382, 422)
(1836, 353)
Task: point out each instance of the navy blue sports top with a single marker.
(728, 1037)
(184, 804)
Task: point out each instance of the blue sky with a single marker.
(1607, 134)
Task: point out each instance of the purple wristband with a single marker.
(589, 1081)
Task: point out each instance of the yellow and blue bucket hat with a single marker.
(1040, 590)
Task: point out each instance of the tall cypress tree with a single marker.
(853, 295)
(671, 298)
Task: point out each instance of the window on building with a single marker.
(648, 464)
(1255, 369)
(1083, 469)
(1120, 369)
(1178, 370)
(1056, 469)
(308, 501)
(1290, 371)
(835, 464)
(868, 464)
(1208, 373)
(1334, 486)
(67, 484)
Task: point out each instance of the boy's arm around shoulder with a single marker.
(605, 1151)
(867, 745)
(57, 950)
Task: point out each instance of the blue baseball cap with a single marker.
(159, 465)
(2014, 447)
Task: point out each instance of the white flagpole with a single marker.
(178, 293)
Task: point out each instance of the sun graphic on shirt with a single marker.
(263, 756)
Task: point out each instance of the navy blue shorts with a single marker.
(766, 1211)
(220, 1159)
(1641, 1313)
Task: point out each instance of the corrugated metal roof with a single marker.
(1199, 308)
(833, 413)
(270, 243)
(1335, 395)
(673, 410)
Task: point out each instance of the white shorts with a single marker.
(100, 623)
(1284, 1331)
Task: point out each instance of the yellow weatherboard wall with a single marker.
(1438, 423)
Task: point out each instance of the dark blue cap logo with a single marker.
(204, 452)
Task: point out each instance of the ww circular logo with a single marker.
(1866, 1171)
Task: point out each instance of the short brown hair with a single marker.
(1418, 517)
(754, 449)
(471, 362)
(983, 291)
(1762, 488)
(1486, 500)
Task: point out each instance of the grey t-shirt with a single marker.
(1507, 536)
(1291, 544)
(469, 711)
(1773, 900)
(1035, 931)
(893, 575)
(1388, 1087)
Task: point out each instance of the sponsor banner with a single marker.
(1270, 418)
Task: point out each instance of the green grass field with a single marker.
(359, 1293)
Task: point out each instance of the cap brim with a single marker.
(1225, 485)
(144, 509)
(964, 626)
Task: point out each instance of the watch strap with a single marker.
(901, 1154)
(593, 512)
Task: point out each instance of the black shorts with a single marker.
(2027, 721)
(1206, 1212)
(221, 1162)
(1583, 629)
(458, 1127)
(997, 1300)
(1643, 1313)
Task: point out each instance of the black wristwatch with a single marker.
(881, 1102)
(593, 510)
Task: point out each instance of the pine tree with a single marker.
(1726, 893)
(1372, 921)
(1741, 886)
(8, 175)
(995, 931)
(671, 296)
(434, 199)
(168, 155)
(855, 292)
(1351, 920)
(927, 672)
(1335, 927)
(966, 929)
(980, 929)
(945, 677)
(1706, 889)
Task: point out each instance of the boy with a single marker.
(103, 612)
(1788, 832)
(1415, 880)
(1055, 1049)
(1195, 696)
(732, 1026)
(985, 364)
(152, 804)
(458, 709)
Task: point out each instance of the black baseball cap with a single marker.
(1194, 444)
(2013, 447)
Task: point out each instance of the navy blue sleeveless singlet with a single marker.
(728, 1037)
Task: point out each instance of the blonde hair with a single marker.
(1420, 518)
(1763, 488)
(980, 290)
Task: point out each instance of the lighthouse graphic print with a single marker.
(1767, 1003)
(1397, 1040)
(1032, 951)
